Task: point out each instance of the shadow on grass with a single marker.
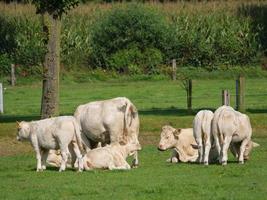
(256, 111)
(172, 111)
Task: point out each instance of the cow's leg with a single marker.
(86, 142)
(174, 157)
(78, 156)
(217, 145)
(225, 146)
(44, 158)
(120, 163)
(38, 156)
(135, 161)
(207, 150)
(200, 149)
(242, 150)
(64, 154)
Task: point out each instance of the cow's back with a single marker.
(99, 118)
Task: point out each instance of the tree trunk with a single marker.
(189, 95)
(51, 67)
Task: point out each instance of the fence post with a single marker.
(189, 95)
(240, 93)
(174, 69)
(1, 99)
(13, 77)
(225, 97)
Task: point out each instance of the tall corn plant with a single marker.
(54, 9)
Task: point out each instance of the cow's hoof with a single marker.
(39, 170)
(206, 163)
(43, 167)
(241, 162)
(224, 162)
(174, 160)
(134, 166)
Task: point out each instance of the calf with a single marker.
(110, 157)
(53, 133)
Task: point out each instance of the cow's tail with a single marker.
(77, 130)
(204, 127)
(130, 112)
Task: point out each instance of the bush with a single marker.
(124, 37)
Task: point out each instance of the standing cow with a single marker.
(202, 134)
(53, 133)
(231, 127)
(109, 121)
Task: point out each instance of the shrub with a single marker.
(124, 36)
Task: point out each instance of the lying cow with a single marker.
(231, 127)
(53, 133)
(110, 121)
(202, 134)
(110, 157)
(181, 141)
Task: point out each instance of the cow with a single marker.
(110, 157)
(53, 133)
(230, 127)
(110, 121)
(181, 141)
(202, 134)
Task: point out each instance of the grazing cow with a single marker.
(110, 157)
(235, 149)
(202, 134)
(53, 133)
(109, 121)
(231, 127)
(181, 141)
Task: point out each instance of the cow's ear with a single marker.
(254, 144)
(176, 133)
(17, 124)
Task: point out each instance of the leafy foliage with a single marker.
(124, 36)
(54, 7)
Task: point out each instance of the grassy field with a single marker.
(159, 103)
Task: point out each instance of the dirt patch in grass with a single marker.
(10, 146)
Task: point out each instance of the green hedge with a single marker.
(135, 39)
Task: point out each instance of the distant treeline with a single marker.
(136, 38)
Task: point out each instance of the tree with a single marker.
(52, 11)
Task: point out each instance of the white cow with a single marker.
(110, 157)
(202, 134)
(231, 127)
(181, 141)
(109, 121)
(53, 133)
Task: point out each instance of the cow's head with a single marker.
(249, 148)
(168, 137)
(132, 148)
(23, 130)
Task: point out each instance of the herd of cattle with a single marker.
(102, 134)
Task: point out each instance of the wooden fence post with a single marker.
(225, 97)
(13, 77)
(189, 95)
(240, 93)
(174, 69)
(1, 99)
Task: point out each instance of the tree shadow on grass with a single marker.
(14, 118)
(171, 111)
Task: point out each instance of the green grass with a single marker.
(159, 103)
(154, 179)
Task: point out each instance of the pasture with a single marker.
(159, 103)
